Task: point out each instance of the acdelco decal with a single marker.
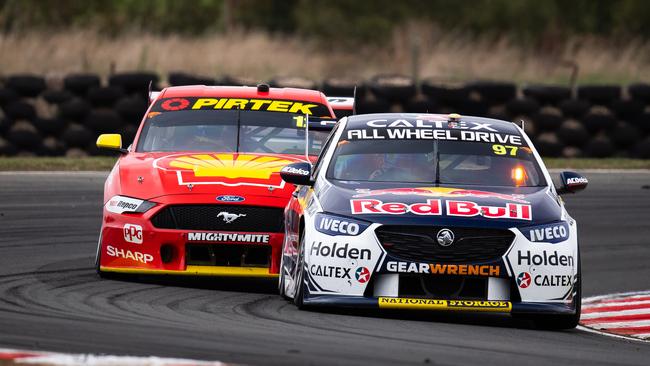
(434, 304)
(225, 169)
(515, 211)
(444, 269)
(269, 105)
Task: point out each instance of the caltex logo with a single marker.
(362, 274)
(523, 280)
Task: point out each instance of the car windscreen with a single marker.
(228, 130)
(435, 161)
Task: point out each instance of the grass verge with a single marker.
(105, 163)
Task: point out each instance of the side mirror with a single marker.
(297, 173)
(111, 141)
(571, 182)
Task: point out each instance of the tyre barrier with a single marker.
(39, 117)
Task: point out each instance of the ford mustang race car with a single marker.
(438, 212)
(199, 191)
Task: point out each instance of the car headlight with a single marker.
(555, 232)
(122, 204)
(339, 225)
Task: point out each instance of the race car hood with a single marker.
(457, 205)
(151, 175)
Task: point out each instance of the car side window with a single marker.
(323, 151)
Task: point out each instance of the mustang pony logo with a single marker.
(227, 169)
(440, 192)
(229, 217)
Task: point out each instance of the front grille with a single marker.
(419, 244)
(442, 287)
(207, 217)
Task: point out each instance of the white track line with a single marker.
(621, 303)
(629, 324)
(615, 313)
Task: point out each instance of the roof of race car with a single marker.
(395, 119)
(243, 92)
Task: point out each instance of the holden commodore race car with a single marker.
(437, 212)
(199, 191)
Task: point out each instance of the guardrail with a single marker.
(52, 117)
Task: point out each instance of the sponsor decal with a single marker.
(127, 254)
(434, 304)
(333, 225)
(330, 271)
(229, 217)
(372, 206)
(440, 192)
(123, 204)
(224, 237)
(292, 170)
(544, 259)
(576, 180)
(444, 269)
(269, 105)
(225, 169)
(514, 211)
(524, 280)
(133, 233)
(552, 233)
(428, 123)
(230, 198)
(337, 250)
(362, 274)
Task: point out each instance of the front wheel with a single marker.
(299, 296)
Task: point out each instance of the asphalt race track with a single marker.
(50, 298)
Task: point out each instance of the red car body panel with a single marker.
(132, 243)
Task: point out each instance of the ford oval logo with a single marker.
(230, 198)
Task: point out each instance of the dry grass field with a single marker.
(261, 56)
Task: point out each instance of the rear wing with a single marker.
(342, 106)
(321, 124)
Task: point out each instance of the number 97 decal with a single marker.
(504, 150)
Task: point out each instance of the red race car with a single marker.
(199, 190)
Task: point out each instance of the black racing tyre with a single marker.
(572, 152)
(559, 322)
(522, 106)
(5, 124)
(239, 81)
(104, 96)
(80, 83)
(20, 109)
(26, 85)
(599, 118)
(549, 145)
(181, 78)
(452, 95)
(56, 96)
(299, 296)
(574, 108)
(599, 94)
(573, 133)
(547, 94)
(49, 126)
(74, 110)
(548, 118)
(281, 281)
(642, 148)
(7, 96)
(643, 122)
(24, 135)
(640, 91)
(472, 107)
(373, 105)
(600, 147)
(103, 121)
(625, 135)
(132, 109)
(627, 109)
(393, 87)
(134, 82)
(341, 87)
(76, 135)
(128, 134)
(7, 148)
(529, 126)
(494, 92)
(420, 104)
(98, 257)
(293, 82)
(498, 111)
(52, 147)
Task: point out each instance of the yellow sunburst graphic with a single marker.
(230, 165)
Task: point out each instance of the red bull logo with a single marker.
(443, 192)
(225, 169)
